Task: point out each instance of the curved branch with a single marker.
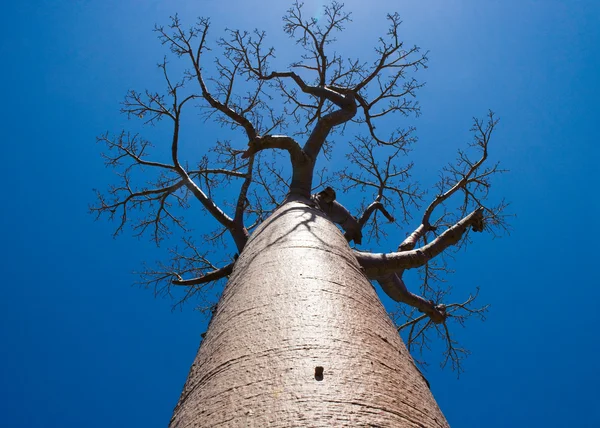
(483, 141)
(393, 285)
(230, 113)
(282, 142)
(239, 237)
(342, 97)
(369, 211)
(366, 215)
(411, 240)
(239, 234)
(207, 202)
(180, 44)
(377, 265)
(319, 134)
(469, 175)
(242, 197)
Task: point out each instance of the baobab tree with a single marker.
(299, 336)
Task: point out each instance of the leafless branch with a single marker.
(128, 153)
(324, 96)
(207, 277)
(377, 265)
(193, 44)
(388, 183)
(417, 329)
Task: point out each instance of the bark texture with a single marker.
(296, 302)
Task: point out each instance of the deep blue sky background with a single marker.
(81, 347)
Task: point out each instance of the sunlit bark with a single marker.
(297, 300)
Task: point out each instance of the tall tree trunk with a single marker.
(297, 302)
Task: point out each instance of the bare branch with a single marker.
(323, 95)
(322, 92)
(207, 277)
(180, 43)
(389, 74)
(394, 286)
(242, 201)
(468, 177)
(128, 147)
(471, 174)
(337, 213)
(314, 36)
(282, 142)
(370, 209)
(377, 265)
(122, 199)
(417, 331)
(188, 261)
(389, 183)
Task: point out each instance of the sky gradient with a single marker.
(82, 347)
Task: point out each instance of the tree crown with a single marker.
(289, 126)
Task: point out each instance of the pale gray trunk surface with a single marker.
(298, 300)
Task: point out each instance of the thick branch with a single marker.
(411, 241)
(377, 265)
(394, 286)
(207, 202)
(320, 132)
(239, 237)
(339, 214)
(282, 142)
(243, 196)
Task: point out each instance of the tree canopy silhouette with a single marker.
(328, 130)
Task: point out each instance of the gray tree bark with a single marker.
(297, 302)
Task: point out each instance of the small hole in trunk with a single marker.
(319, 373)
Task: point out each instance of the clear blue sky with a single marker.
(81, 347)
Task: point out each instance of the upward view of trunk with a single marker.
(300, 338)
